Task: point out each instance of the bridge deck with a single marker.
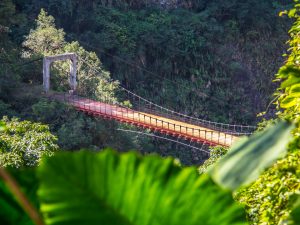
(150, 121)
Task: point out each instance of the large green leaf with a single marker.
(11, 212)
(107, 188)
(295, 214)
(250, 156)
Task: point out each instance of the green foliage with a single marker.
(268, 199)
(215, 154)
(8, 17)
(76, 130)
(295, 214)
(289, 74)
(5, 109)
(46, 39)
(23, 143)
(2, 126)
(127, 189)
(250, 156)
(217, 54)
(144, 184)
(70, 133)
(11, 212)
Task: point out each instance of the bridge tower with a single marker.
(46, 69)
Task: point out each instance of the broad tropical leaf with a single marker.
(11, 212)
(295, 214)
(107, 188)
(250, 156)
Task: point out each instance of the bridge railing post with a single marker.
(111, 108)
(84, 104)
(105, 105)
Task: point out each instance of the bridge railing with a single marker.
(141, 104)
(147, 106)
(124, 114)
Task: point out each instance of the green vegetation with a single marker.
(261, 147)
(47, 40)
(25, 143)
(269, 199)
(195, 59)
(129, 189)
(207, 58)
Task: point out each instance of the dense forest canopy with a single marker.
(210, 59)
(217, 53)
(194, 60)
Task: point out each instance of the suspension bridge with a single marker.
(144, 113)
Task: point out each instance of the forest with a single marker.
(182, 112)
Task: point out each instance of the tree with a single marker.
(23, 143)
(93, 80)
(45, 39)
(269, 199)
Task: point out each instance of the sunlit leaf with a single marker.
(295, 91)
(288, 102)
(292, 12)
(107, 188)
(2, 126)
(290, 81)
(250, 156)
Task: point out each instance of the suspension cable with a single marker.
(171, 111)
(164, 138)
(146, 70)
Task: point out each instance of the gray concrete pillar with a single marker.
(73, 69)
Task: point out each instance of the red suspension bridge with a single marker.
(146, 114)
